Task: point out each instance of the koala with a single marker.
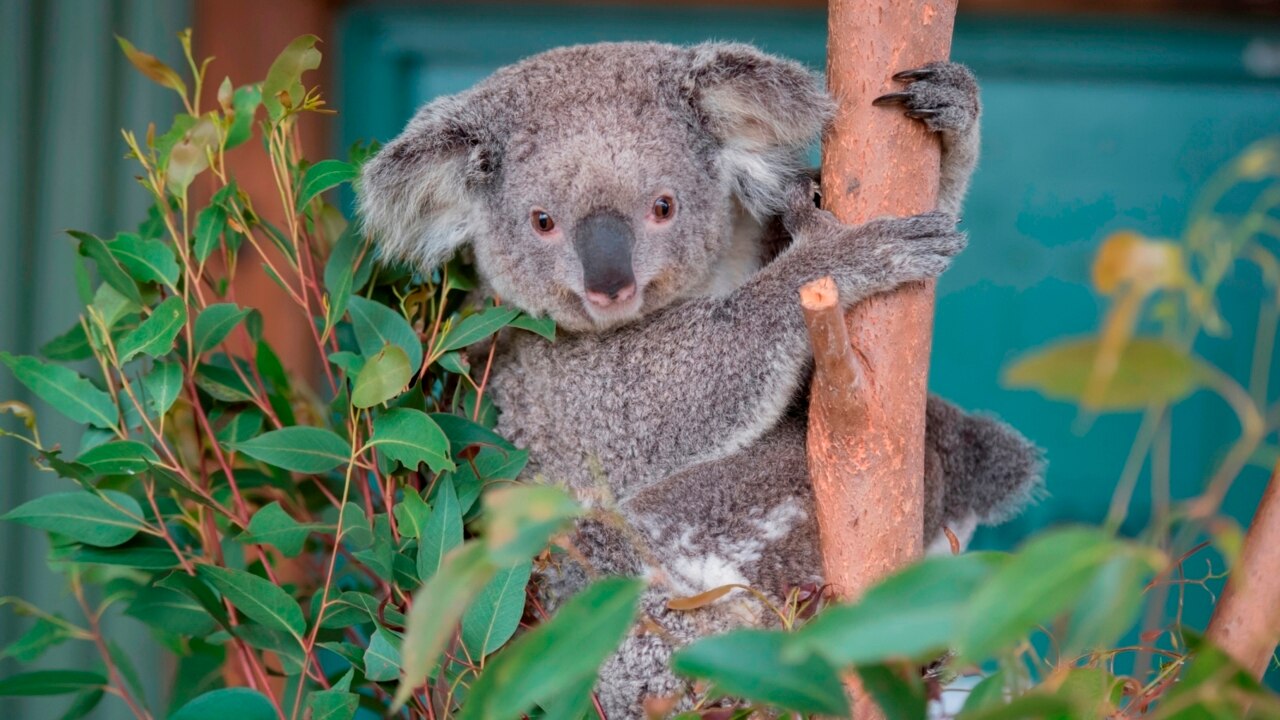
(653, 200)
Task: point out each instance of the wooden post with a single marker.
(1246, 620)
(866, 447)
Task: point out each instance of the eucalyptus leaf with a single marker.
(155, 335)
(64, 389)
(105, 520)
(301, 449)
(258, 598)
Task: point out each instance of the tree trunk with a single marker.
(866, 441)
(1246, 620)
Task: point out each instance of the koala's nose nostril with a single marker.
(604, 300)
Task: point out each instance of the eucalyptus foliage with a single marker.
(350, 542)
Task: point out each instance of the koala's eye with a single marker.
(663, 208)
(542, 222)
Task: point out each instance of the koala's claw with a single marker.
(942, 95)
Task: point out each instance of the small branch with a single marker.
(835, 363)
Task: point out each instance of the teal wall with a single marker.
(1090, 127)
(65, 92)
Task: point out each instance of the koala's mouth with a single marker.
(615, 312)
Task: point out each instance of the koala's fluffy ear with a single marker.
(764, 110)
(420, 195)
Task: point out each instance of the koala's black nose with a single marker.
(603, 240)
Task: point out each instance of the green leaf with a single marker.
(442, 532)
(1037, 584)
(557, 655)
(258, 598)
(355, 526)
(1149, 371)
(244, 104)
(70, 345)
(92, 246)
(520, 519)
(285, 75)
(239, 703)
(171, 611)
(215, 323)
(382, 658)
(336, 703)
(155, 335)
(411, 513)
(544, 326)
(211, 222)
(494, 616)
(105, 521)
(222, 383)
(49, 682)
(160, 387)
(989, 693)
(898, 692)
(121, 457)
(751, 663)
(141, 556)
(83, 704)
(242, 427)
(271, 525)
(153, 67)
(147, 261)
(913, 614)
(346, 271)
(411, 437)
(437, 607)
(377, 325)
(41, 636)
(299, 448)
(477, 327)
(322, 176)
(382, 378)
(1110, 605)
(64, 389)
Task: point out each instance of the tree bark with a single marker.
(866, 441)
(1246, 620)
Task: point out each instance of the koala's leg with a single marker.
(944, 96)
(707, 377)
(978, 471)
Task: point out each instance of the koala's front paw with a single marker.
(919, 247)
(942, 95)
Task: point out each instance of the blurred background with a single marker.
(1100, 116)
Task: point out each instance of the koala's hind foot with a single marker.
(944, 96)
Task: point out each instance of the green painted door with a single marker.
(1088, 129)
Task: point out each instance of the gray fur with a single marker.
(680, 415)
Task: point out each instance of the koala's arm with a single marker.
(711, 375)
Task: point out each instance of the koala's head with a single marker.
(596, 183)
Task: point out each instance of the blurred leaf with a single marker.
(912, 614)
(988, 693)
(285, 75)
(322, 176)
(437, 607)
(258, 598)
(148, 261)
(49, 682)
(1149, 371)
(190, 156)
(299, 448)
(153, 67)
(1032, 706)
(899, 697)
(1110, 605)
(210, 224)
(171, 611)
(751, 664)
(239, 703)
(382, 657)
(1038, 583)
(83, 704)
(120, 457)
(442, 532)
(143, 557)
(244, 101)
(382, 378)
(1127, 258)
(520, 519)
(70, 345)
(544, 326)
(377, 325)
(155, 335)
(494, 616)
(558, 655)
(214, 323)
(104, 521)
(271, 525)
(92, 246)
(242, 427)
(411, 437)
(411, 513)
(41, 636)
(222, 383)
(475, 328)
